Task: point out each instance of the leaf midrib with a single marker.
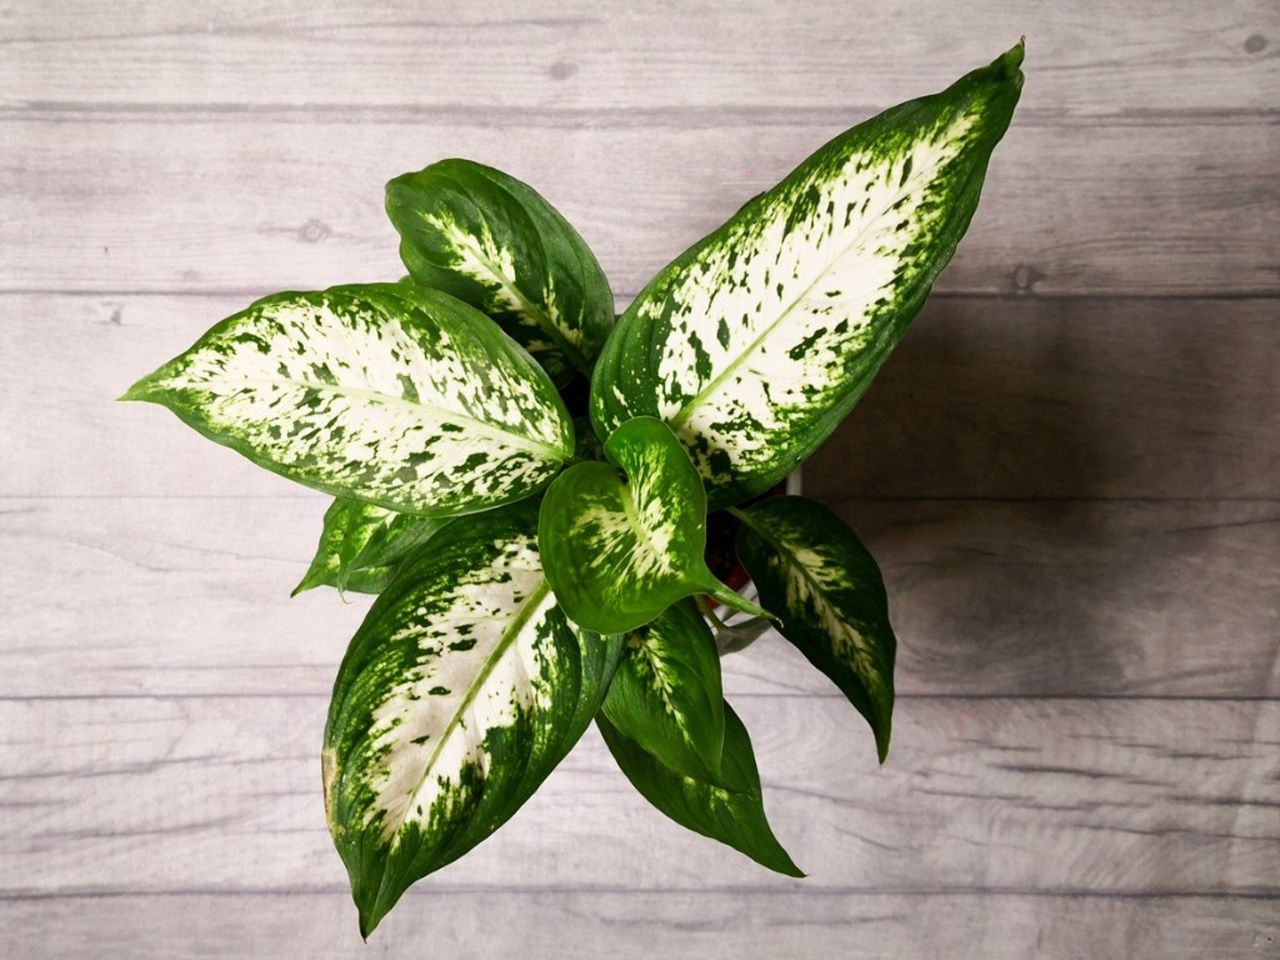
(480, 426)
(820, 595)
(639, 531)
(687, 410)
(509, 635)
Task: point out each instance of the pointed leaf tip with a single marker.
(808, 564)
(462, 690)
(356, 371)
(732, 814)
(882, 742)
(758, 340)
(137, 392)
(1013, 57)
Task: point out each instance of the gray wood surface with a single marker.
(1070, 472)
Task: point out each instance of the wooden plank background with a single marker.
(1070, 472)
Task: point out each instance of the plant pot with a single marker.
(737, 630)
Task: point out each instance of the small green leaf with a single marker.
(496, 244)
(824, 584)
(619, 552)
(386, 393)
(361, 546)
(733, 813)
(462, 690)
(666, 693)
(756, 342)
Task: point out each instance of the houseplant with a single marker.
(537, 571)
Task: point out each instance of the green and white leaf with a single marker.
(496, 244)
(826, 588)
(666, 693)
(620, 551)
(362, 545)
(757, 341)
(465, 685)
(732, 813)
(386, 393)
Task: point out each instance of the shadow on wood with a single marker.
(1029, 397)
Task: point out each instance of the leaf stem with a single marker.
(708, 610)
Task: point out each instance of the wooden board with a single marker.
(986, 397)
(1053, 796)
(190, 596)
(632, 63)
(256, 206)
(1070, 472)
(1074, 398)
(572, 925)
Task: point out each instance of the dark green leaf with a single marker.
(826, 588)
(732, 814)
(666, 692)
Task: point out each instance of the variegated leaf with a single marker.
(463, 688)
(666, 693)
(826, 588)
(731, 812)
(386, 393)
(620, 551)
(495, 243)
(757, 341)
(361, 546)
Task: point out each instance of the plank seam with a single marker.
(1243, 893)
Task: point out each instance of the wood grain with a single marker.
(253, 206)
(661, 61)
(1069, 472)
(190, 596)
(996, 397)
(1055, 796)
(474, 925)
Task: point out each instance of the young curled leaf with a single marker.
(826, 588)
(619, 550)
(756, 342)
(495, 243)
(463, 688)
(396, 396)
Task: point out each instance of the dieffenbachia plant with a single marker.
(539, 550)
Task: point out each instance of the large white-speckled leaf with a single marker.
(465, 685)
(757, 341)
(361, 546)
(730, 810)
(827, 591)
(666, 693)
(386, 393)
(496, 244)
(620, 549)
